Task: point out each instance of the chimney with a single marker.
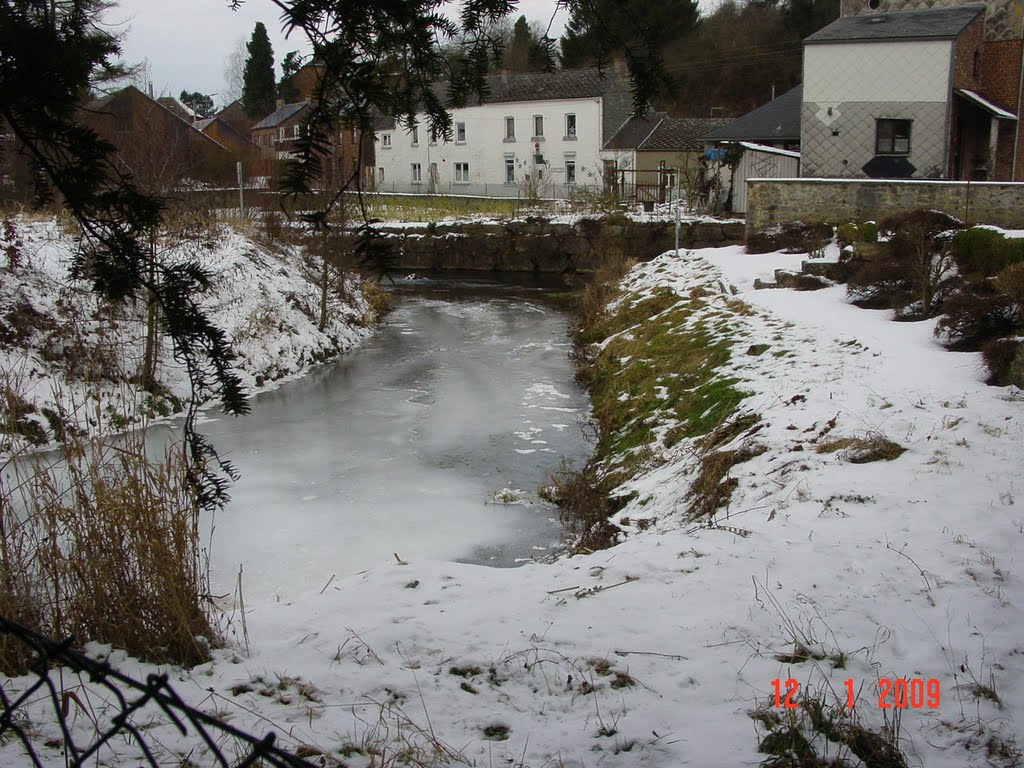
(280, 103)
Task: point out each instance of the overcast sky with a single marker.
(187, 41)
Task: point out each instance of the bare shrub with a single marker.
(1010, 283)
(974, 315)
(793, 237)
(916, 272)
(103, 544)
(583, 508)
(1004, 359)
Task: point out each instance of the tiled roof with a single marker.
(279, 115)
(932, 23)
(680, 134)
(778, 120)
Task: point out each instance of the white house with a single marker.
(537, 133)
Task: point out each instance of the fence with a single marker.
(132, 700)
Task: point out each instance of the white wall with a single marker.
(485, 149)
(879, 71)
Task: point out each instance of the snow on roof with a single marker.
(985, 104)
(766, 149)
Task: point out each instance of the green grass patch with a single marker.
(659, 368)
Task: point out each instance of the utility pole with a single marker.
(241, 192)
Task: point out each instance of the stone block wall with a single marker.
(538, 245)
(777, 201)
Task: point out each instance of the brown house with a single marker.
(158, 148)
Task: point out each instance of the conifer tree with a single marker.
(259, 86)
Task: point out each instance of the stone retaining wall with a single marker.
(538, 245)
(778, 201)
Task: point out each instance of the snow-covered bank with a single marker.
(66, 356)
(655, 652)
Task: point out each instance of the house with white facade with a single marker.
(535, 134)
(918, 93)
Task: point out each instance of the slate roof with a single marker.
(279, 115)
(928, 24)
(585, 83)
(657, 132)
(635, 131)
(778, 120)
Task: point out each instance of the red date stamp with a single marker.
(898, 693)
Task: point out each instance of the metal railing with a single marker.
(131, 699)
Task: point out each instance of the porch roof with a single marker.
(985, 104)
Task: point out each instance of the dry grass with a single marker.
(713, 486)
(102, 544)
(863, 450)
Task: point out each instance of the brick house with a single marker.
(899, 90)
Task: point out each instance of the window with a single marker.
(380, 174)
(433, 136)
(510, 129)
(415, 135)
(460, 133)
(538, 126)
(355, 137)
(462, 172)
(296, 131)
(892, 137)
(570, 126)
(280, 134)
(570, 171)
(385, 140)
(417, 173)
(510, 170)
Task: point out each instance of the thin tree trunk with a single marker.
(149, 358)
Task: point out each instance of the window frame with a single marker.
(510, 169)
(415, 135)
(416, 171)
(460, 132)
(570, 162)
(510, 123)
(538, 122)
(385, 140)
(887, 136)
(461, 173)
(570, 130)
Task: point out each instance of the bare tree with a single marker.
(234, 72)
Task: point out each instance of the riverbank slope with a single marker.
(70, 362)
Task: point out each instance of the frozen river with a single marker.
(400, 446)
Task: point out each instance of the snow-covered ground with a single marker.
(655, 652)
(63, 352)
